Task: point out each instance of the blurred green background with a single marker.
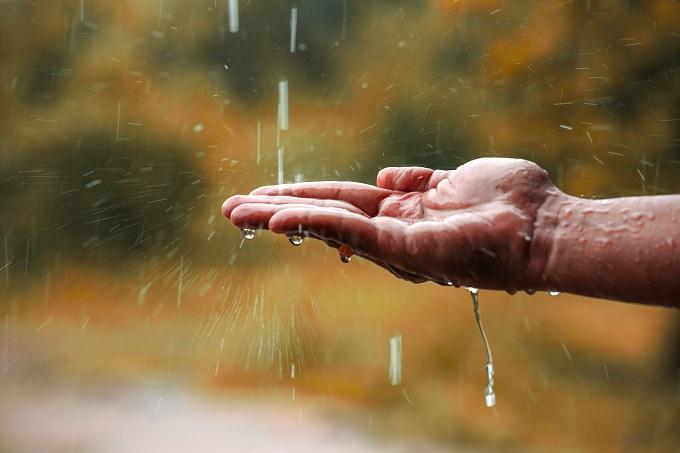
(124, 125)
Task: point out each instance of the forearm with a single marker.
(625, 249)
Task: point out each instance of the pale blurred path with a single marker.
(143, 420)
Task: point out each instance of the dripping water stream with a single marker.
(489, 395)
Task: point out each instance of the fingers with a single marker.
(257, 215)
(363, 196)
(379, 240)
(233, 202)
(364, 235)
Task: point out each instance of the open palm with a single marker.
(471, 226)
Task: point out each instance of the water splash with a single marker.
(180, 283)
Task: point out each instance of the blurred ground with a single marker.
(165, 419)
(571, 372)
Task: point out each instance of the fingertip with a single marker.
(384, 177)
(249, 215)
(286, 221)
(280, 189)
(230, 204)
(316, 220)
(264, 190)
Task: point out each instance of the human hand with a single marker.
(472, 226)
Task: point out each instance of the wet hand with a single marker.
(471, 226)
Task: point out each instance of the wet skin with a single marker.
(492, 223)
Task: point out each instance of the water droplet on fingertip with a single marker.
(295, 239)
(346, 253)
(248, 233)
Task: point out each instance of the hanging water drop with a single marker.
(295, 239)
(346, 253)
(248, 233)
(472, 290)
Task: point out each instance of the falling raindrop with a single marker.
(233, 16)
(395, 360)
(279, 160)
(259, 142)
(283, 105)
(293, 29)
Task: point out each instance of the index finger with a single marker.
(375, 238)
(363, 196)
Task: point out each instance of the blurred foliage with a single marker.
(125, 124)
(112, 197)
(587, 89)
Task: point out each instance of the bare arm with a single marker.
(622, 248)
(492, 223)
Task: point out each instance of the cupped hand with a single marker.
(472, 226)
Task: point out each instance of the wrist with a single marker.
(542, 246)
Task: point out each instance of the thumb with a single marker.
(405, 179)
